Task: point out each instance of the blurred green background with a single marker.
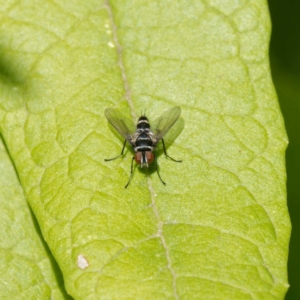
(285, 65)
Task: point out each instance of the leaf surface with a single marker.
(220, 228)
(28, 270)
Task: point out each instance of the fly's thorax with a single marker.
(144, 158)
(144, 141)
(143, 148)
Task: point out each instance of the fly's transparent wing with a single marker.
(123, 125)
(162, 124)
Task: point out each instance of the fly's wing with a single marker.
(123, 125)
(162, 124)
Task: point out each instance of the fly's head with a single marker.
(144, 158)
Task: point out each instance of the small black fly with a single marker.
(142, 137)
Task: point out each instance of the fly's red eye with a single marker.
(138, 157)
(149, 156)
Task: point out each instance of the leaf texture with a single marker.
(220, 228)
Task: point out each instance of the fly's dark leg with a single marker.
(122, 152)
(158, 171)
(166, 152)
(131, 173)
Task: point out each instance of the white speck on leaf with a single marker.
(111, 44)
(82, 262)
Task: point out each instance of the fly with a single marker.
(142, 137)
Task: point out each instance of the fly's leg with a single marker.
(158, 171)
(122, 152)
(166, 152)
(131, 173)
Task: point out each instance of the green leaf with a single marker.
(220, 228)
(28, 270)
